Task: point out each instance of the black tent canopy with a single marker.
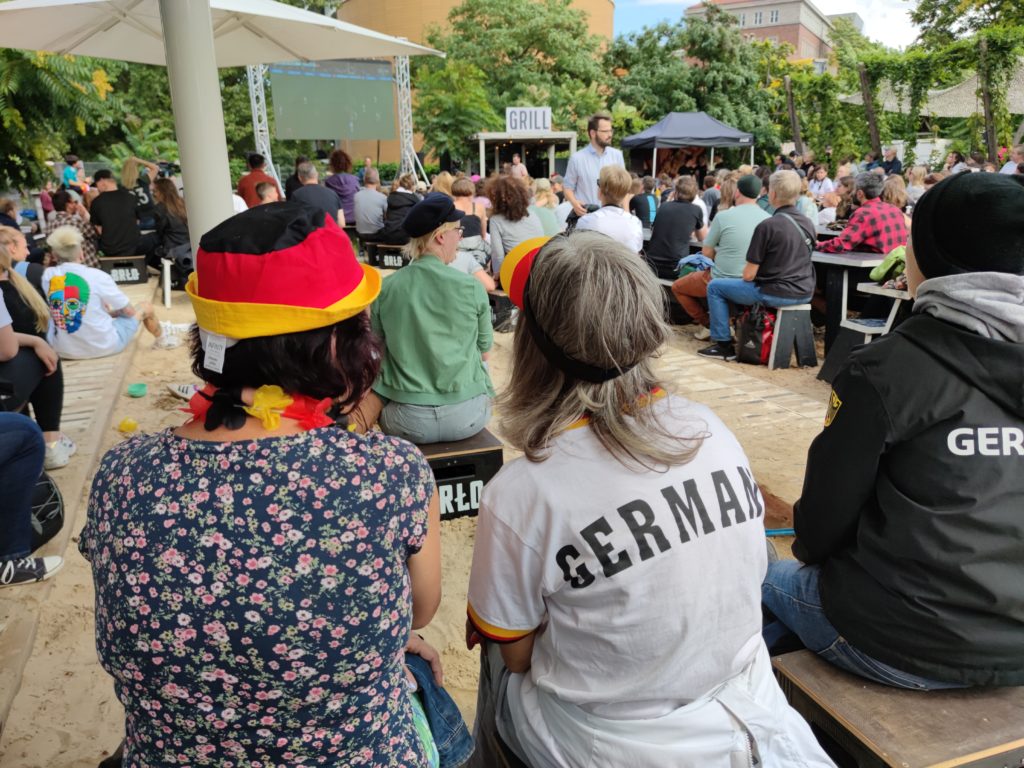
(689, 129)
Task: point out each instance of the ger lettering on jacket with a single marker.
(689, 512)
(986, 441)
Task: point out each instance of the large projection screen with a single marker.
(333, 99)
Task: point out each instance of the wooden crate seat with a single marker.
(461, 469)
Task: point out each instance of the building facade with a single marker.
(797, 22)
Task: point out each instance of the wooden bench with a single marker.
(461, 469)
(385, 256)
(676, 314)
(874, 725)
(125, 269)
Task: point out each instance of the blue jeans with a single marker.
(451, 737)
(790, 592)
(722, 290)
(21, 463)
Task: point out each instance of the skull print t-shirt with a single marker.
(80, 300)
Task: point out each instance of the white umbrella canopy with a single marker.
(193, 38)
(244, 32)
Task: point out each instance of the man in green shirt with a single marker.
(726, 244)
(435, 324)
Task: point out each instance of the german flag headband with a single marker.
(275, 269)
(516, 272)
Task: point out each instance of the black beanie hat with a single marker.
(970, 222)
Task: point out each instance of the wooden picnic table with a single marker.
(836, 266)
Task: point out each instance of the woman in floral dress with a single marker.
(259, 570)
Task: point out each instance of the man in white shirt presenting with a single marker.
(580, 184)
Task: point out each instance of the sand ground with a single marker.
(66, 716)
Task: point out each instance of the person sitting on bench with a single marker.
(435, 323)
(910, 529)
(617, 566)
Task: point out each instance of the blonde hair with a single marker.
(894, 191)
(601, 305)
(443, 183)
(916, 176)
(130, 173)
(9, 238)
(542, 194)
(728, 192)
(786, 186)
(830, 200)
(66, 244)
(417, 246)
(614, 183)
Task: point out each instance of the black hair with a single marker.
(255, 160)
(339, 361)
(101, 174)
(60, 199)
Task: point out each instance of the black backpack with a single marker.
(47, 511)
(181, 265)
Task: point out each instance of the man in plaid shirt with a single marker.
(875, 226)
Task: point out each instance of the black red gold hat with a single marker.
(516, 268)
(277, 268)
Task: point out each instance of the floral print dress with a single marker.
(252, 597)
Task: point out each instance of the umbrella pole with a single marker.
(654, 163)
(198, 114)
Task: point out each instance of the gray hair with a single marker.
(871, 184)
(65, 243)
(785, 185)
(370, 176)
(599, 304)
(306, 171)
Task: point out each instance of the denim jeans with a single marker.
(494, 732)
(21, 462)
(790, 592)
(722, 290)
(451, 737)
(436, 423)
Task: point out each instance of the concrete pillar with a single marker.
(483, 159)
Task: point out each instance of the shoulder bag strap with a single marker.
(808, 241)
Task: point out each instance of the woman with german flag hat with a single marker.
(259, 569)
(617, 565)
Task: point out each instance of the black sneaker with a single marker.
(26, 570)
(720, 350)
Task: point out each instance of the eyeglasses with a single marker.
(460, 230)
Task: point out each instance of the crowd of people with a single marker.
(283, 544)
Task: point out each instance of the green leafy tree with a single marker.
(451, 105)
(945, 21)
(649, 72)
(535, 53)
(47, 101)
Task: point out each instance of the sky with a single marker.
(886, 21)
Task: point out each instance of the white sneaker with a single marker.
(184, 391)
(166, 326)
(166, 341)
(68, 443)
(703, 334)
(26, 570)
(58, 454)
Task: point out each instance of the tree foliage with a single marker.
(45, 101)
(943, 22)
(535, 53)
(450, 105)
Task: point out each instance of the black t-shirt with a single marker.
(143, 197)
(779, 247)
(23, 319)
(644, 206)
(116, 213)
(291, 184)
(321, 198)
(674, 225)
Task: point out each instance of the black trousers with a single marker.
(32, 386)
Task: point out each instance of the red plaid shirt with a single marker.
(876, 227)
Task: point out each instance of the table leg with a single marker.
(834, 304)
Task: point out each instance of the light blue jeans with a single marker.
(436, 423)
(790, 591)
(125, 328)
(722, 290)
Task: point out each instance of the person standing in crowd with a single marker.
(876, 226)
(611, 218)
(644, 205)
(68, 212)
(293, 182)
(726, 244)
(343, 184)
(435, 324)
(778, 270)
(311, 193)
(586, 659)
(580, 184)
(256, 175)
(518, 170)
(140, 184)
(909, 534)
(676, 222)
(114, 215)
(511, 221)
(34, 370)
(711, 197)
(306, 594)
